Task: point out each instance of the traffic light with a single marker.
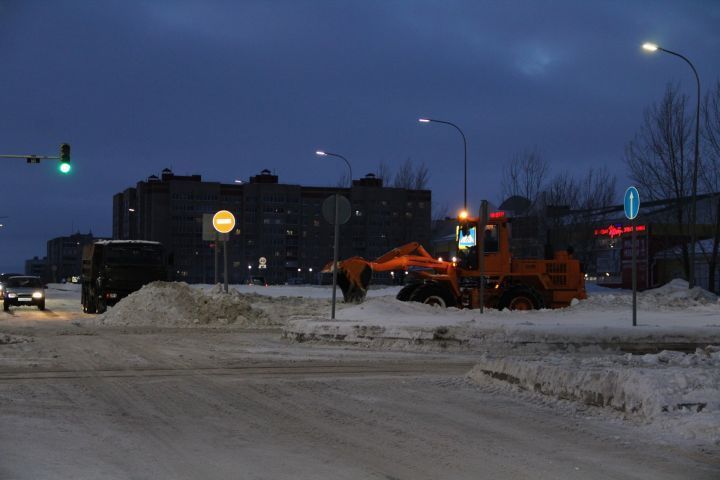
(65, 158)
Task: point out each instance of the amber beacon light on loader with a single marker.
(483, 274)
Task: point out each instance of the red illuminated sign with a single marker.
(497, 214)
(617, 230)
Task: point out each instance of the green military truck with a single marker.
(113, 269)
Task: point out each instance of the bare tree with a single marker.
(710, 177)
(598, 189)
(561, 190)
(344, 181)
(405, 176)
(422, 175)
(385, 173)
(660, 156)
(439, 211)
(524, 175)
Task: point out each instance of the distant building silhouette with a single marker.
(280, 224)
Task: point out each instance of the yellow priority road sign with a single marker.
(223, 221)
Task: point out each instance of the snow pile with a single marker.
(177, 304)
(6, 339)
(675, 391)
(673, 295)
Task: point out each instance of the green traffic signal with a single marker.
(65, 158)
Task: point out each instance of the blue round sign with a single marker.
(631, 203)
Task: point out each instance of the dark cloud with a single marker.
(225, 89)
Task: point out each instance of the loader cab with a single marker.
(493, 239)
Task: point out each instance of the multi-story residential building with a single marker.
(280, 233)
(64, 255)
(36, 267)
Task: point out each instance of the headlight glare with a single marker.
(37, 294)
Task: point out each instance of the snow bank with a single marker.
(675, 392)
(177, 304)
(6, 339)
(673, 295)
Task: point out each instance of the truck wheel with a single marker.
(406, 292)
(6, 306)
(431, 294)
(41, 305)
(101, 305)
(520, 298)
(89, 302)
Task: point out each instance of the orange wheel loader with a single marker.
(484, 259)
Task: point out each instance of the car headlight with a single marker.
(12, 295)
(37, 294)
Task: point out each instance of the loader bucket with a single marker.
(353, 278)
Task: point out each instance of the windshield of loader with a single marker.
(466, 237)
(467, 243)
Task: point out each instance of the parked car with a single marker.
(3, 279)
(258, 281)
(23, 290)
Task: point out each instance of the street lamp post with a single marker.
(323, 153)
(432, 120)
(336, 246)
(651, 47)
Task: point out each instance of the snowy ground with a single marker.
(179, 354)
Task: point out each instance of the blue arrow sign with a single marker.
(632, 203)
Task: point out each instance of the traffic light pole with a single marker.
(31, 158)
(64, 157)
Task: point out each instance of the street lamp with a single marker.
(651, 47)
(432, 120)
(323, 153)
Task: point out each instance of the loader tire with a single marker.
(406, 292)
(520, 298)
(432, 294)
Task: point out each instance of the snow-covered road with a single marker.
(187, 383)
(103, 404)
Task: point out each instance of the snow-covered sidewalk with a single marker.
(666, 316)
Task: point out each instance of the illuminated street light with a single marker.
(432, 120)
(651, 47)
(463, 215)
(323, 153)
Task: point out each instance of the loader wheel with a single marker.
(520, 298)
(406, 292)
(431, 294)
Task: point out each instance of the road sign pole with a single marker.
(634, 275)
(336, 247)
(225, 242)
(217, 268)
(481, 240)
(631, 204)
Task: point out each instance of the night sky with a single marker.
(225, 89)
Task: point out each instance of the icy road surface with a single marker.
(85, 400)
